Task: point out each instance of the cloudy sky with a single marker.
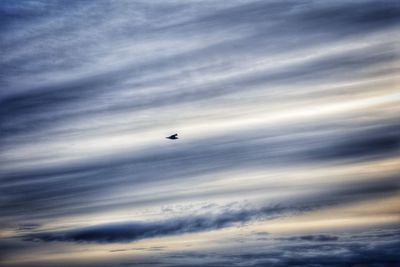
(288, 121)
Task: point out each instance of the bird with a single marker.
(172, 137)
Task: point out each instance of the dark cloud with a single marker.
(354, 16)
(363, 144)
(320, 238)
(304, 16)
(310, 250)
(28, 226)
(132, 231)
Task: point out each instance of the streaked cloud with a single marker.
(286, 110)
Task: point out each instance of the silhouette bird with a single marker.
(172, 137)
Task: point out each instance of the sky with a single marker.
(287, 114)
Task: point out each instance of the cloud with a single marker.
(378, 255)
(315, 238)
(363, 144)
(42, 193)
(311, 250)
(88, 89)
(47, 104)
(132, 231)
(28, 226)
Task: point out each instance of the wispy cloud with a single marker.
(267, 96)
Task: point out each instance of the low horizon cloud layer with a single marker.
(288, 125)
(131, 231)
